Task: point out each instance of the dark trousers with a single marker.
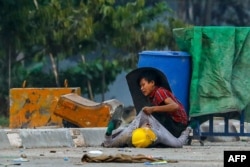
(173, 127)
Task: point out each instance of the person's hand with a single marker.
(147, 110)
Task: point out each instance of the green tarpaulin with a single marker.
(220, 79)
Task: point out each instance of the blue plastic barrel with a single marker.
(176, 66)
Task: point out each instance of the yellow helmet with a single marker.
(143, 137)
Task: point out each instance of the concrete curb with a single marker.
(4, 140)
(45, 138)
(93, 136)
(78, 137)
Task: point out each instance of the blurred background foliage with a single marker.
(89, 42)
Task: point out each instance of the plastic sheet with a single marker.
(220, 68)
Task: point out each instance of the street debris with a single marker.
(156, 163)
(124, 158)
(96, 152)
(20, 160)
(52, 151)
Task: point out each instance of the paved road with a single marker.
(209, 155)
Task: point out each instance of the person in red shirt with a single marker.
(158, 109)
(165, 107)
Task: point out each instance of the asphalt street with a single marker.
(209, 155)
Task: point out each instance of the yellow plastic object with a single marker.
(143, 137)
(34, 107)
(83, 112)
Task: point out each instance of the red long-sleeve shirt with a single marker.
(157, 98)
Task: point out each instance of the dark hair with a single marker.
(149, 75)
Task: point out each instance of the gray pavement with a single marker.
(209, 155)
(61, 147)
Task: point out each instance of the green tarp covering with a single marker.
(220, 79)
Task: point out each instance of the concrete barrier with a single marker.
(93, 136)
(78, 137)
(4, 141)
(33, 138)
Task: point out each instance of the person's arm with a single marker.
(170, 106)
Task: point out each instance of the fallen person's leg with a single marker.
(124, 137)
(165, 137)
